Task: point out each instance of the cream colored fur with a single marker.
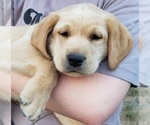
(90, 31)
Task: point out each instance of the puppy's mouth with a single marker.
(74, 72)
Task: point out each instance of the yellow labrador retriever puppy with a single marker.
(72, 41)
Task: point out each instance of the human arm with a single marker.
(5, 81)
(91, 99)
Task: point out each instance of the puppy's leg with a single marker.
(36, 93)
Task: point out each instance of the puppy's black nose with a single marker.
(75, 59)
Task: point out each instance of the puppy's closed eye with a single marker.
(64, 33)
(96, 36)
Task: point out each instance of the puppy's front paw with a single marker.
(32, 105)
(25, 100)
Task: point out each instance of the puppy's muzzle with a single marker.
(75, 60)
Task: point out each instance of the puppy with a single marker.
(72, 41)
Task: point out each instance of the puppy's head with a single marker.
(79, 37)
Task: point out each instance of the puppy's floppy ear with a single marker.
(119, 42)
(40, 33)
